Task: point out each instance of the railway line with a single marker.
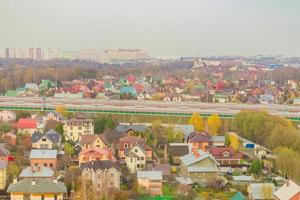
(153, 108)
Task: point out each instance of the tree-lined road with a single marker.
(154, 108)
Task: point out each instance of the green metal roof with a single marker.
(11, 93)
(238, 196)
(40, 186)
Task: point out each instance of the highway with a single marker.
(154, 108)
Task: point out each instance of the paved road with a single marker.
(145, 107)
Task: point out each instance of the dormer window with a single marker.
(125, 145)
(226, 154)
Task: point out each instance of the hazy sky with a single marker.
(161, 27)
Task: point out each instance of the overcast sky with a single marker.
(161, 27)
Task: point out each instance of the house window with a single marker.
(142, 158)
(125, 145)
(79, 128)
(42, 197)
(131, 160)
(135, 150)
(111, 184)
(44, 140)
(55, 197)
(138, 165)
(45, 164)
(51, 165)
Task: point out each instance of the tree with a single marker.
(233, 141)
(84, 190)
(69, 149)
(287, 162)
(197, 121)
(13, 170)
(5, 127)
(62, 110)
(214, 124)
(110, 124)
(256, 167)
(99, 125)
(267, 191)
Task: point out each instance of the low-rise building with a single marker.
(150, 182)
(43, 157)
(49, 140)
(135, 158)
(34, 189)
(104, 174)
(288, 191)
(90, 141)
(226, 156)
(78, 126)
(95, 153)
(199, 166)
(7, 116)
(27, 126)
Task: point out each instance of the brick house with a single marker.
(43, 157)
(150, 182)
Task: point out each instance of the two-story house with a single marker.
(7, 116)
(43, 157)
(150, 182)
(95, 153)
(49, 140)
(32, 189)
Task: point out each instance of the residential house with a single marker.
(31, 87)
(199, 140)
(130, 129)
(90, 141)
(165, 168)
(26, 126)
(177, 150)
(3, 166)
(288, 191)
(7, 116)
(39, 172)
(49, 140)
(52, 116)
(34, 189)
(78, 126)
(242, 180)
(43, 157)
(150, 182)
(68, 93)
(199, 166)
(135, 158)
(218, 141)
(266, 99)
(105, 175)
(112, 137)
(10, 138)
(95, 153)
(125, 144)
(261, 191)
(226, 156)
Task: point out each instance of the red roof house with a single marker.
(26, 125)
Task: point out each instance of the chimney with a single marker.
(15, 180)
(33, 182)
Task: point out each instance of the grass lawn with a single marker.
(207, 193)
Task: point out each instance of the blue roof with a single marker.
(128, 90)
(190, 159)
(153, 175)
(36, 172)
(43, 153)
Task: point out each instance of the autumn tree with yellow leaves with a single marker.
(197, 121)
(214, 124)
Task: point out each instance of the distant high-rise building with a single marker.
(31, 53)
(10, 52)
(125, 54)
(38, 54)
